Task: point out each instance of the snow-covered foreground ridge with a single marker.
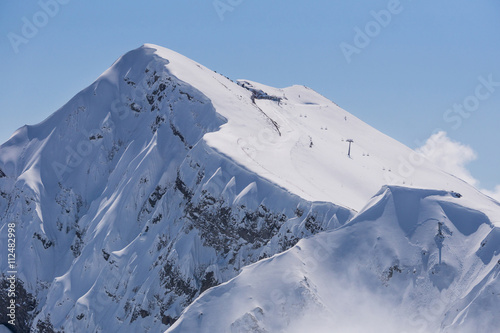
(411, 261)
(163, 179)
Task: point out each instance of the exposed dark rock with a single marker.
(78, 243)
(312, 225)
(95, 137)
(45, 241)
(178, 134)
(186, 94)
(181, 187)
(139, 312)
(135, 107)
(129, 82)
(168, 321)
(208, 282)
(158, 193)
(45, 326)
(157, 219)
(173, 282)
(390, 272)
(157, 123)
(105, 255)
(222, 230)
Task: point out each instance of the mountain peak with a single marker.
(293, 136)
(163, 179)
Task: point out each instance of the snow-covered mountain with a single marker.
(163, 179)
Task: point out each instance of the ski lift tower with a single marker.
(350, 142)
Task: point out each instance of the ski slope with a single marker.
(273, 139)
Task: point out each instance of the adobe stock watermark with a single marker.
(425, 316)
(471, 103)
(325, 247)
(12, 274)
(76, 155)
(32, 25)
(453, 116)
(224, 6)
(372, 29)
(265, 138)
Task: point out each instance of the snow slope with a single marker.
(273, 139)
(382, 272)
(163, 179)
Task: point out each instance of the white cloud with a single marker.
(453, 157)
(449, 155)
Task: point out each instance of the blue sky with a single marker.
(401, 74)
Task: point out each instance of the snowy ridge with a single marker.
(164, 179)
(380, 272)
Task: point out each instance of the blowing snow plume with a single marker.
(380, 272)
